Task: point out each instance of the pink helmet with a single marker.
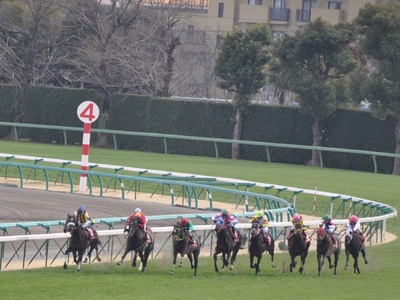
(296, 218)
(353, 219)
(184, 221)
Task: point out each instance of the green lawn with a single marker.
(378, 279)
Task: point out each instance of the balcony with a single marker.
(279, 14)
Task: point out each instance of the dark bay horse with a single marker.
(258, 246)
(226, 245)
(353, 246)
(79, 242)
(139, 241)
(298, 247)
(326, 248)
(182, 246)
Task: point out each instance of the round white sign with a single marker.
(88, 112)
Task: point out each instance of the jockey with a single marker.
(142, 222)
(355, 226)
(329, 226)
(84, 220)
(262, 221)
(298, 219)
(188, 225)
(231, 221)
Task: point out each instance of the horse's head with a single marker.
(219, 224)
(298, 227)
(348, 237)
(71, 223)
(178, 233)
(255, 229)
(133, 226)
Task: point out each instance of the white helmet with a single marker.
(138, 210)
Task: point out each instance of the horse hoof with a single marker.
(273, 265)
(99, 259)
(65, 266)
(78, 270)
(171, 273)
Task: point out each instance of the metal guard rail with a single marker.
(114, 133)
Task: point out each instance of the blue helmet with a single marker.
(80, 211)
(82, 208)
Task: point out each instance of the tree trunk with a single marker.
(317, 140)
(237, 134)
(396, 165)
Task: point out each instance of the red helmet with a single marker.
(184, 222)
(353, 219)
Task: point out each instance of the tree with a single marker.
(241, 66)
(29, 36)
(310, 64)
(380, 41)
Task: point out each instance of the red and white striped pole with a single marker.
(88, 112)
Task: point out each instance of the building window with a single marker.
(220, 10)
(190, 34)
(195, 37)
(255, 2)
(280, 4)
(335, 5)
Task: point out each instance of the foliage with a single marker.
(241, 62)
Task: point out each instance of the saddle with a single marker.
(90, 233)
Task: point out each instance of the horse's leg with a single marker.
(292, 263)
(233, 258)
(259, 257)
(355, 265)
(336, 262)
(346, 266)
(134, 259)
(189, 255)
(319, 263)
(79, 263)
(251, 260)
(271, 252)
(364, 254)
(123, 257)
(303, 262)
(66, 257)
(330, 262)
(196, 260)
(215, 255)
(173, 263)
(181, 262)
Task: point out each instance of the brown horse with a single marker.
(139, 241)
(182, 246)
(258, 246)
(353, 246)
(325, 248)
(225, 245)
(298, 247)
(79, 242)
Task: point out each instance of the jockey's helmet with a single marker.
(259, 214)
(353, 219)
(325, 218)
(296, 218)
(224, 212)
(79, 211)
(82, 207)
(138, 210)
(184, 221)
(137, 215)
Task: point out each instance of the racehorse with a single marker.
(258, 246)
(225, 245)
(79, 242)
(353, 246)
(182, 245)
(139, 241)
(298, 247)
(325, 248)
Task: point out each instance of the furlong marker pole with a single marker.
(85, 155)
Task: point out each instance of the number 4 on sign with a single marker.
(88, 112)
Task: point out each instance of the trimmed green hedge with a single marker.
(349, 129)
